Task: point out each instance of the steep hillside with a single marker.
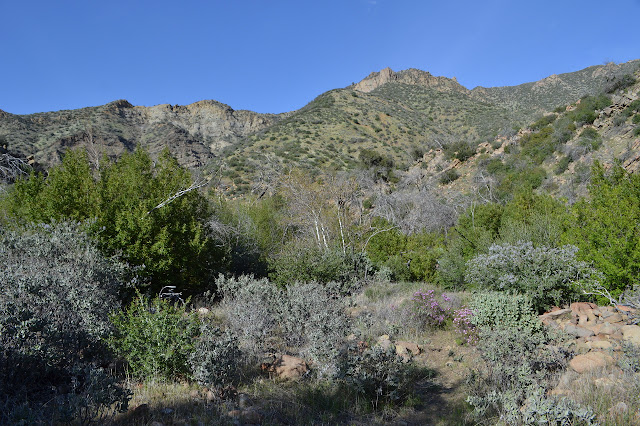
(193, 133)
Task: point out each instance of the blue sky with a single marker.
(275, 56)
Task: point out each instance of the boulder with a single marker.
(578, 331)
(590, 361)
(631, 333)
(288, 367)
(582, 307)
(409, 346)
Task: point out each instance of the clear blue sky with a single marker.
(276, 56)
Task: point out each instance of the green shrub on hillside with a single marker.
(493, 310)
(610, 242)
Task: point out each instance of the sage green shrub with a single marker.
(57, 293)
(496, 309)
(215, 359)
(548, 275)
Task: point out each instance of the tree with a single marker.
(606, 226)
(149, 213)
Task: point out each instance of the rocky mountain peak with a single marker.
(411, 76)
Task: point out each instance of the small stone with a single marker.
(288, 367)
(203, 311)
(616, 317)
(582, 307)
(409, 346)
(194, 394)
(602, 344)
(211, 396)
(578, 331)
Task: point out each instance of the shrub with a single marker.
(543, 122)
(377, 373)
(460, 150)
(155, 338)
(518, 365)
(449, 176)
(57, 293)
(547, 275)
(307, 317)
(496, 309)
(428, 311)
(297, 264)
(562, 165)
(215, 358)
(167, 244)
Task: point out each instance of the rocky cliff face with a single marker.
(411, 76)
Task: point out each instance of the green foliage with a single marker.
(492, 310)
(636, 119)
(408, 257)
(548, 275)
(215, 358)
(610, 242)
(57, 293)
(543, 122)
(155, 338)
(539, 145)
(585, 112)
(302, 264)
(167, 244)
(590, 139)
(461, 150)
(449, 176)
(562, 165)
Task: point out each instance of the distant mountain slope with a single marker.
(398, 115)
(193, 133)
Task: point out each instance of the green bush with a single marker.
(562, 165)
(543, 122)
(57, 293)
(590, 139)
(449, 176)
(155, 338)
(303, 264)
(215, 358)
(550, 276)
(610, 242)
(460, 150)
(166, 245)
(495, 309)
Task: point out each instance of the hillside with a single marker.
(397, 116)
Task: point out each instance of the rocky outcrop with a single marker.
(410, 76)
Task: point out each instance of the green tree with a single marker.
(140, 210)
(606, 226)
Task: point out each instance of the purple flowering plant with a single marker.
(464, 327)
(430, 311)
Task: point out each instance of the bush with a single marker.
(167, 244)
(496, 309)
(306, 317)
(297, 264)
(57, 293)
(215, 358)
(548, 275)
(518, 367)
(155, 338)
(377, 373)
(460, 150)
(449, 176)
